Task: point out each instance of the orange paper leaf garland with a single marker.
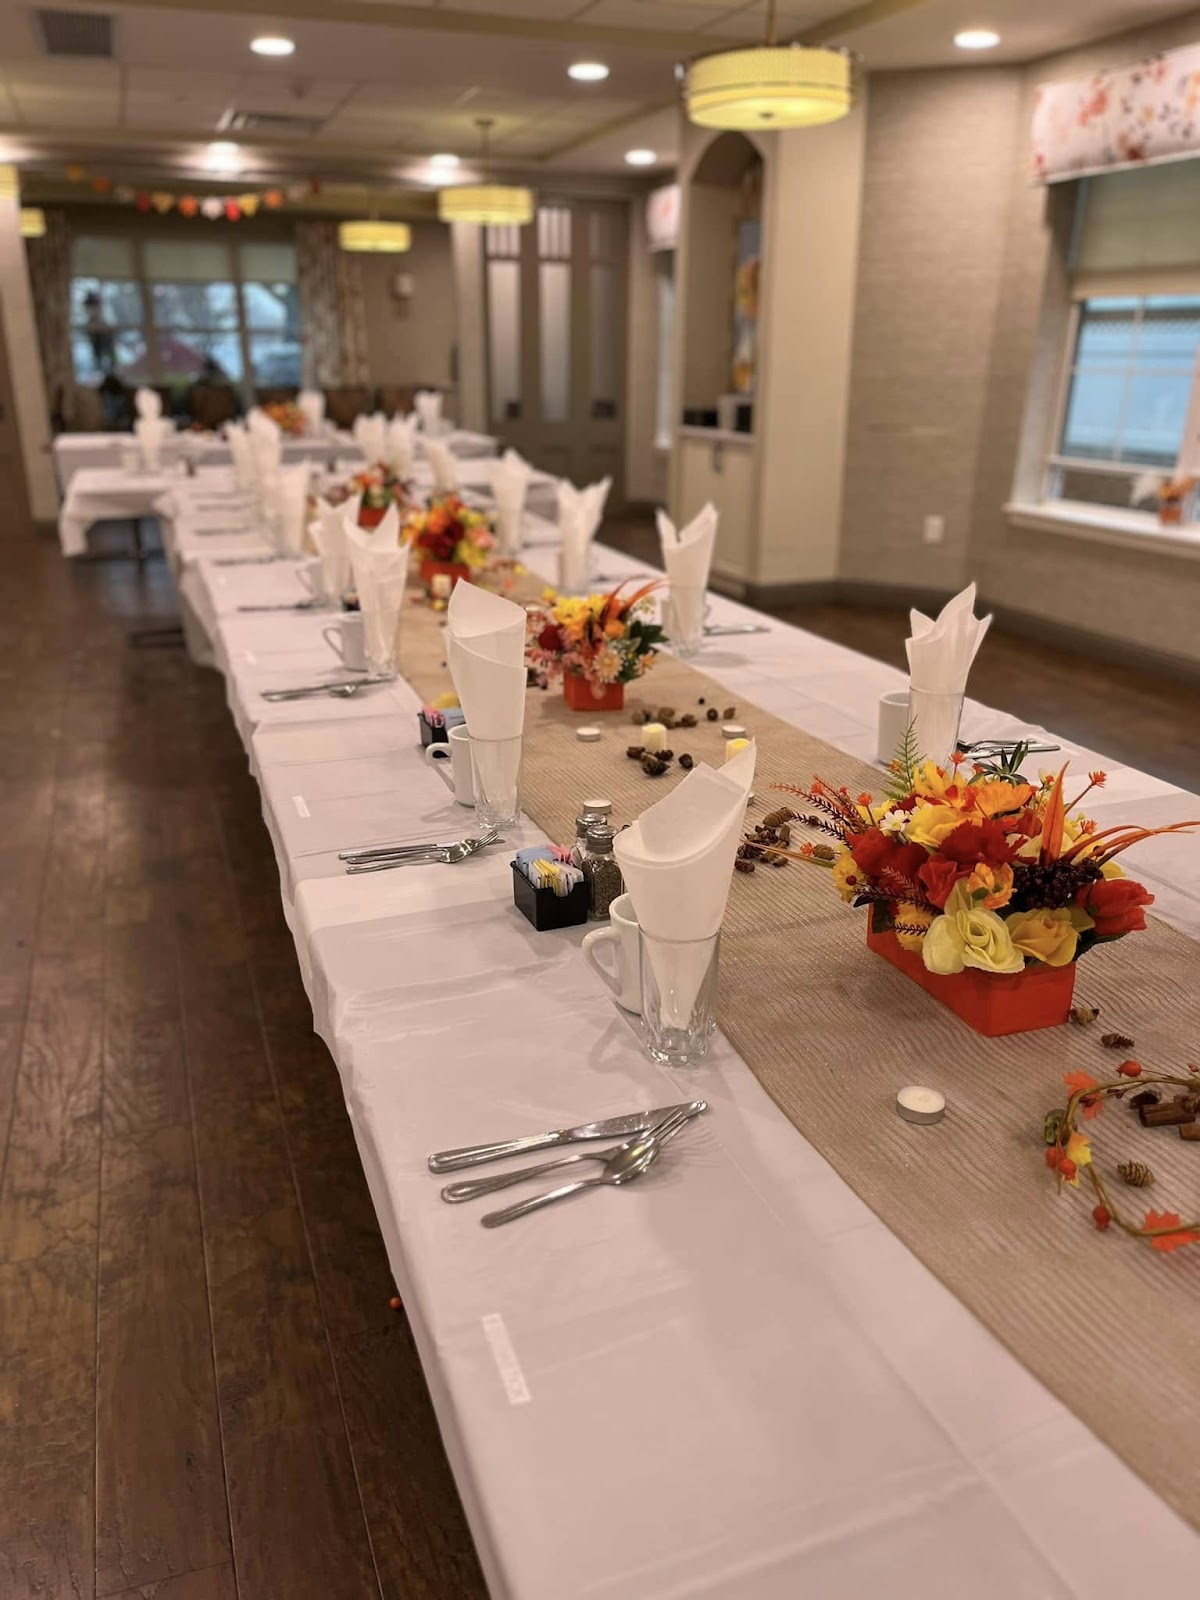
(1166, 1220)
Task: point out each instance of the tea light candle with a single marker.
(441, 585)
(733, 730)
(732, 746)
(653, 737)
(918, 1104)
(588, 735)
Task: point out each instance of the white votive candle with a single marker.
(654, 736)
(918, 1104)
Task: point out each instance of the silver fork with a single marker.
(456, 852)
(474, 1188)
(375, 852)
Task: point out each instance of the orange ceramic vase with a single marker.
(580, 696)
(992, 1003)
(371, 516)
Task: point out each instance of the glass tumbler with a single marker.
(679, 997)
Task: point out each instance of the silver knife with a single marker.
(319, 688)
(295, 605)
(610, 1128)
(718, 630)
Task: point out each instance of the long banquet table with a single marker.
(731, 1381)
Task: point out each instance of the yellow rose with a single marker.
(967, 935)
(991, 887)
(848, 877)
(930, 824)
(1049, 936)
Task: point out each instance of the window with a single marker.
(169, 310)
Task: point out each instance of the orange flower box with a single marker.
(371, 516)
(580, 696)
(456, 571)
(989, 1002)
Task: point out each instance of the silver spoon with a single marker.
(339, 691)
(625, 1164)
(473, 1188)
(447, 857)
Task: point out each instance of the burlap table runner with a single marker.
(831, 1032)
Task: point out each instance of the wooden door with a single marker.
(555, 295)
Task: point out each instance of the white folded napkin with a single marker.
(370, 435)
(311, 403)
(510, 482)
(148, 403)
(379, 563)
(292, 506)
(266, 451)
(260, 425)
(485, 650)
(428, 403)
(579, 515)
(687, 555)
(328, 533)
(940, 655)
(677, 860)
(401, 445)
(152, 433)
(443, 465)
(242, 451)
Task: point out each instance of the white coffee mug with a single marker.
(893, 723)
(452, 761)
(624, 978)
(130, 457)
(346, 639)
(311, 573)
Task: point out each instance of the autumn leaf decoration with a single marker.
(1069, 1153)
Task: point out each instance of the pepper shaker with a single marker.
(601, 872)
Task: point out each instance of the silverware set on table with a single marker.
(290, 605)
(382, 858)
(644, 1136)
(341, 689)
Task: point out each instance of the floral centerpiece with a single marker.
(1170, 495)
(983, 887)
(287, 416)
(450, 538)
(597, 644)
(379, 487)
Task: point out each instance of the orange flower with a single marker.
(995, 798)
(1099, 779)
(865, 798)
(995, 884)
(1164, 1240)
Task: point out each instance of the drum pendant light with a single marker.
(770, 85)
(492, 204)
(389, 238)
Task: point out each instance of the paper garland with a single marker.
(214, 208)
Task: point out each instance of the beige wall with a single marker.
(412, 341)
(645, 465)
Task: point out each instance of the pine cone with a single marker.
(1116, 1041)
(1136, 1174)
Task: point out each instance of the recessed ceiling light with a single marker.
(587, 71)
(977, 39)
(224, 156)
(640, 158)
(273, 44)
(445, 159)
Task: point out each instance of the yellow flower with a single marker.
(991, 887)
(967, 935)
(935, 783)
(846, 875)
(1048, 936)
(997, 796)
(912, 924)
(930, 824)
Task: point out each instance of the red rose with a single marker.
(1115, 906)
(939, 877)
(549, 639)
(875, 854)
(973, 842)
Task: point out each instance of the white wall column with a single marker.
(24, 356)
(466, 245)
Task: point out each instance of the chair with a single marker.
(278, 396)
(211, 404)
(343, 405)
(398, 398)
(86, 409)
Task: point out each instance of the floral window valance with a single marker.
(1123, 118)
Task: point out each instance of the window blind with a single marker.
(1139, 232)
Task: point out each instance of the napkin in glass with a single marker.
(579, 515)
(401, 445)
(152, 433)
(510, 482)
(370, 435)
(311, 404)
(328, 533)
(379, 563)
(240, 448)
(677, 860)
(261, 426)
(148, 403)
(443, 465)
(940, 655)
(485, 650)
(292, 506)
(428, 403)
(687, 556)
(266, 450)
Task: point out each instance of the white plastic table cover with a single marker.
(729, 1381)
(75, 452)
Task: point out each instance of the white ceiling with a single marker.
(388, 89)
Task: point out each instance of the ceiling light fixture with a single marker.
(977, 39)
(640, 158)
(33, 222)
(587, 71)
(273, 44)
(444, 159)
(491, 204)
(380, 238)
(769, 85)
(224, 156)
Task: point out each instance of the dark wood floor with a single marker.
(205, 1394)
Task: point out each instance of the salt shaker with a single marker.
(582, 823)
(600, 871)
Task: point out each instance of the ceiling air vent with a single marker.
(75, 33)
(271, 124)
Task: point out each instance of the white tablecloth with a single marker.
(730, 1381)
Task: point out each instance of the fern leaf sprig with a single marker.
(902, 769)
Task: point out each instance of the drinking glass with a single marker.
(935, 719)
(685, 609)
(679, 997)
(496, 776)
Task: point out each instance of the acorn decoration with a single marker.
(1082, 1015)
